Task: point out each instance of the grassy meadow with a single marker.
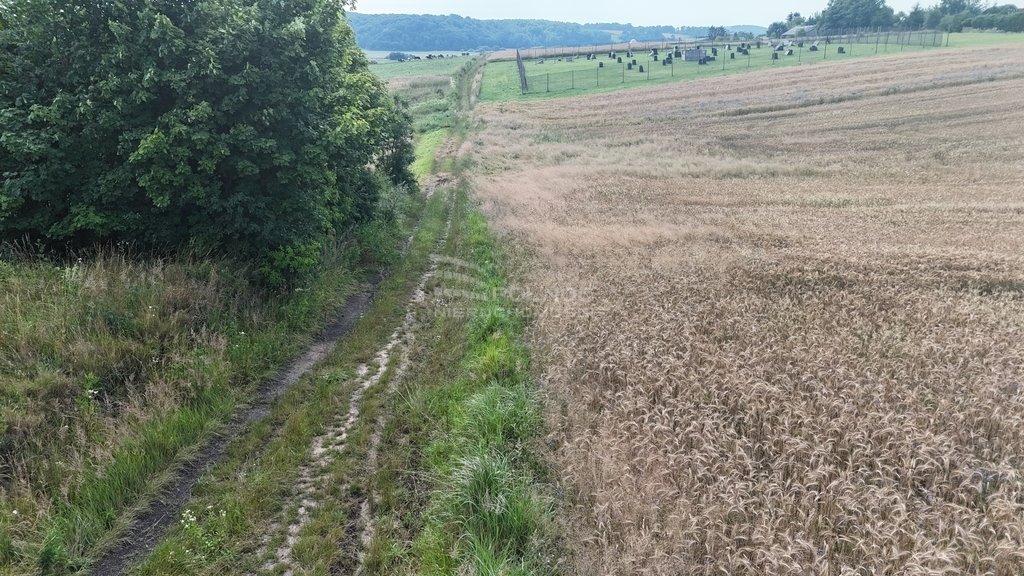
(780, 331)
(552, 78)
(447, 67)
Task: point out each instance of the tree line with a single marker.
(947, 15)
(250, 128)
(424, 32)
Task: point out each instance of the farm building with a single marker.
(799, 31)
(694, 54)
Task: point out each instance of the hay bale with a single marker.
(619, 60)
(813, 48)
(641, 68)
(629, 66)
(732, 55)
(841, 50)
(789, 52)
(775, 55)
(600, 64)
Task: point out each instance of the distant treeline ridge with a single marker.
(429, 32)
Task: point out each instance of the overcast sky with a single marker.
(638, 12)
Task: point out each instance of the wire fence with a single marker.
(856, 36)
(644, 71)
(638, 63)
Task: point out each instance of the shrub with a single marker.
(246, 127)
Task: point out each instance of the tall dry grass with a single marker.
(780, 316)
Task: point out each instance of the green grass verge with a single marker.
(555, 79)
(488, 512)
(462, 488)
(426, 152)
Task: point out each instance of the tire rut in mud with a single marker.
(327, 447)
(149, 526)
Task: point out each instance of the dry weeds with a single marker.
(780, 315)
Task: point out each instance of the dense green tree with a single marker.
(776, 29)
(1007, 18)
(456, 33)
(1003, 9)
(248, 127)
(853, 14)
(948, 7)
(717, 32)
(915, 19)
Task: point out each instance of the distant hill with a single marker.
(449, 33)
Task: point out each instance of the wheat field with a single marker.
(779, 317)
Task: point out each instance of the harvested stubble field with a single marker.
(780, 329)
